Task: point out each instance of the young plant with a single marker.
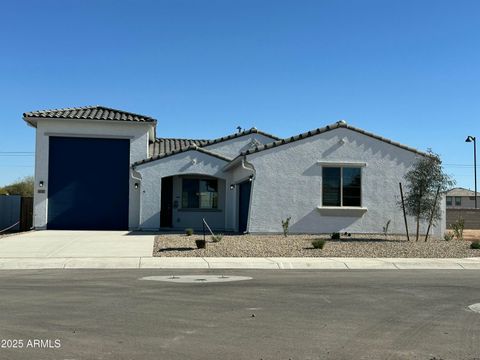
(285, 225)
(475, 245)
(189, 232)
(217, 238)
(424, 182)
(457, 228)
(318, 243)
(448, 236)
(385, 228)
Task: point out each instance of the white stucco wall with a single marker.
(288, 182)
(136, 132)
(231, 148)
(187, 163)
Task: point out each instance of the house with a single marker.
(460, 198)
(102, 168)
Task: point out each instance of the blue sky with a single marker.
(406, 70)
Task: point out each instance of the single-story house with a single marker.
(101, 168)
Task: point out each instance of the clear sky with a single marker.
(406, 70)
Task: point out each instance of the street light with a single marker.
(474, 140)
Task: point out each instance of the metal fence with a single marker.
(10, 207)
(16, 213)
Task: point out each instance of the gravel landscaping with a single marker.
(301, 246)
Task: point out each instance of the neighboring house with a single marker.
(460, 198)
(101, 168)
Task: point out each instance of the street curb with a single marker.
(271, 263)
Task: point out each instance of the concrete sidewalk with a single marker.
(237, 263)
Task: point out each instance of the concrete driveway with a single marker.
(76, 244)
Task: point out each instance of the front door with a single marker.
(167, 202)
(245, 189)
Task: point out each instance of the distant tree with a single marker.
(23, 187)
(422, 183)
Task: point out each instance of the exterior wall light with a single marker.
(250, 178)
(136, 186)
(232, 186)
(40, 184)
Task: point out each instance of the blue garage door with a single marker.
(88, 183)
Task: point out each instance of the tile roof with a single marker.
(163, 146)
(88, 113)
(181, 150)
(458, 191)
(339, 124)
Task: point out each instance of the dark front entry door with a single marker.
(167, 202)
(88, 183)
(243, 205)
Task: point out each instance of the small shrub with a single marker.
(475, 245)
(335, 236)
(318, 243)
(385, 228)
(189, 232)
(457, 228)
(448, 236)
(285, 225)
(217, 238)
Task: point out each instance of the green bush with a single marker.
(217, 238)
(189, 232)
(457, 228)
(448, 236)
(318, 243)
(335, 236)
(475, 245)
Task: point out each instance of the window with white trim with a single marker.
(342, 186)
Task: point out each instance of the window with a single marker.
(199, 194)
(341, 186)
(458, 201)
(449, 201)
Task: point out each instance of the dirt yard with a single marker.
(471, 235)
(301, 246)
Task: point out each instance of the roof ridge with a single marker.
(92, 112)
(181, 150)
(336, 125)
(171, 138)
(252, 130)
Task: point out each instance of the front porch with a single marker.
(187, 199)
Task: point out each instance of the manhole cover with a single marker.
(475, 307)
(196, 278)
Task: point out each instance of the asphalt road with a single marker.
(105, 314)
